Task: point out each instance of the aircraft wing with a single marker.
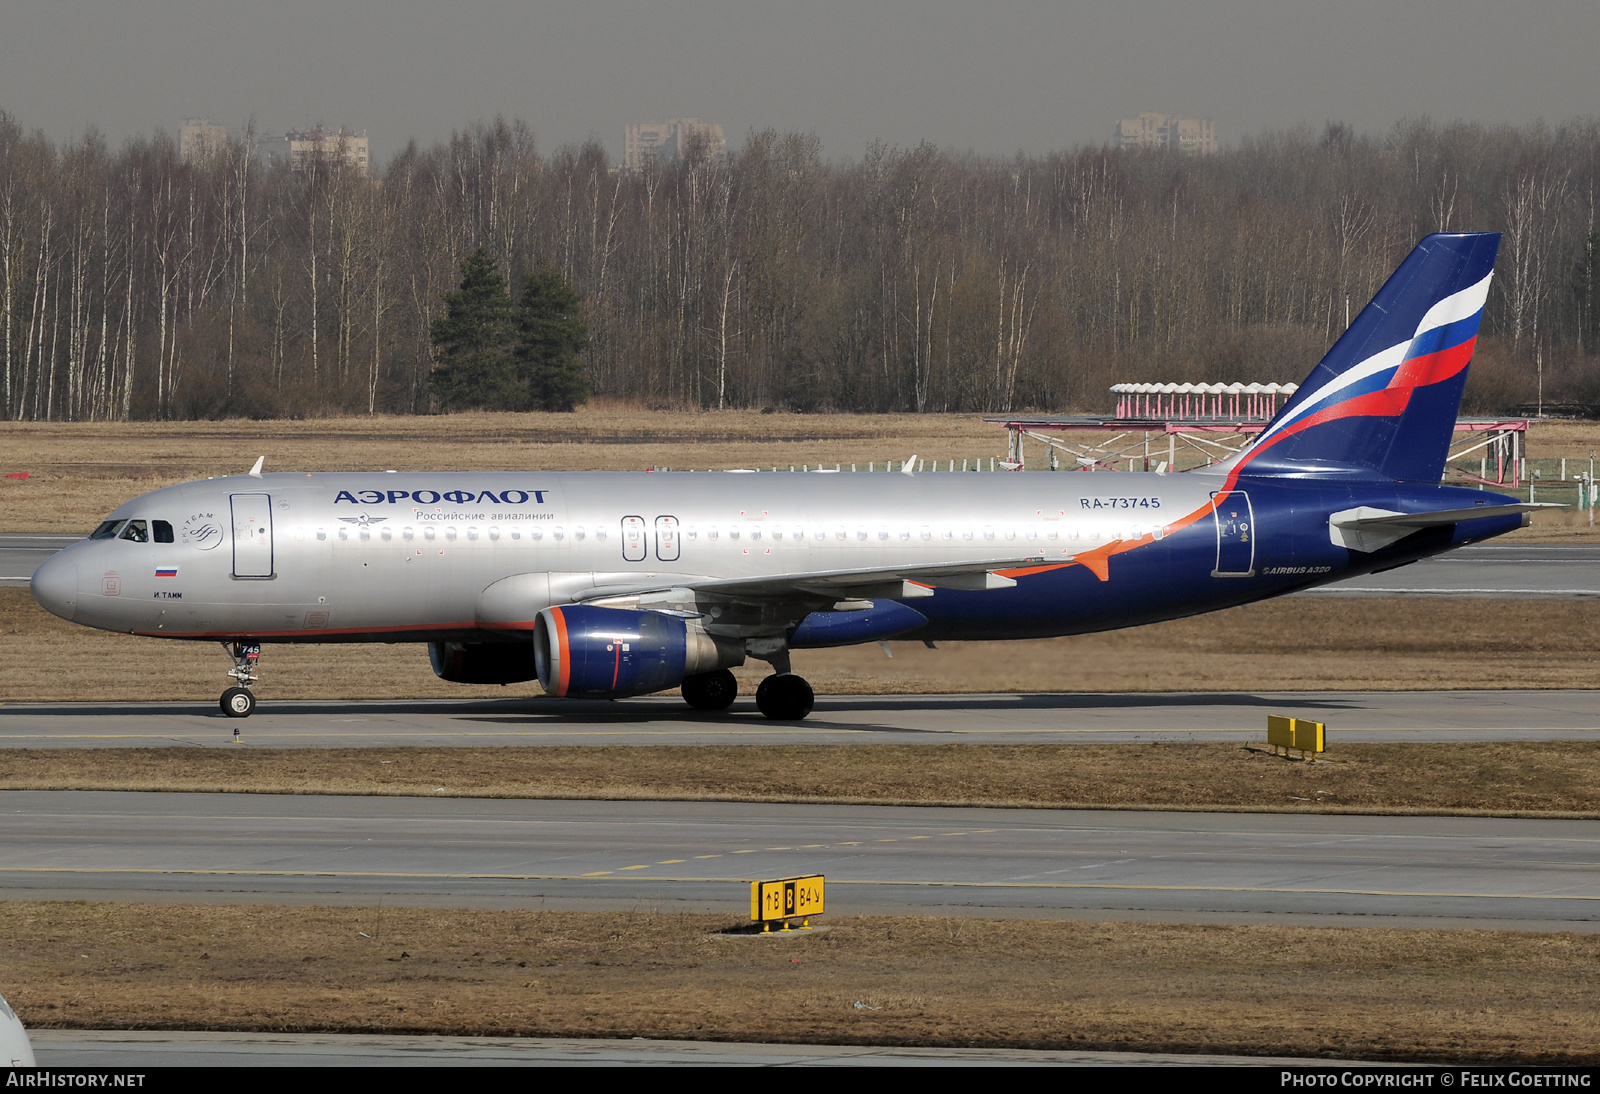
(888, 582)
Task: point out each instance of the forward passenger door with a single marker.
(252, 535)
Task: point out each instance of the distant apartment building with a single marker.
(1153, 130)
(198, 138)
(666, 142)
(300, 148)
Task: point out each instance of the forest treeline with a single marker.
(134, 284)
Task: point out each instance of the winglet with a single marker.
(255, 472)
(910, 466)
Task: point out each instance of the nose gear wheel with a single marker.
(240, 701)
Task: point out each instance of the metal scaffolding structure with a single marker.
(1209, 438)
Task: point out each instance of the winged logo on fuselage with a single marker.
(364, 521)
(202, 530)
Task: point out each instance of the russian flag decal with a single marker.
(166, 571)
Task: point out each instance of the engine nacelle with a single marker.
(610, 653)
(482, 662)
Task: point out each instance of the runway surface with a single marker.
(1487, 571)
(20, 555)
(701, 856)
(1499, 571)
(120, 1049)
(1442, 716)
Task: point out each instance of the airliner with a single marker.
(605, 585)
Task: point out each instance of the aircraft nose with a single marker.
(55, 586)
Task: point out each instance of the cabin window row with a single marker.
(712, 533)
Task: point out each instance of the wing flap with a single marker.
(887, 582)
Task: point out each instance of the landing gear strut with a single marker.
(240, 702)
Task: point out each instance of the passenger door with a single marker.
(1236, 534)
(252, 535)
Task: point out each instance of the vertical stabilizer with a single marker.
(1385, 398)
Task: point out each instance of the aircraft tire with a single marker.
(785, 697)
(238, 703)
(710, 690)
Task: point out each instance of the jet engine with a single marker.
(482, 662)
(610, 653)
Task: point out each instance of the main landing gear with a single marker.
(783, 696)
(240, 702)
(710, 690)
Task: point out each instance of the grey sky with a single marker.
(994, 77)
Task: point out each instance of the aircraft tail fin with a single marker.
(1384, 400)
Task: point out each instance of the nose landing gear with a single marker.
(240, 702)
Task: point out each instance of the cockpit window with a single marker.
(107, 529)
(162, 530)
(136, 531)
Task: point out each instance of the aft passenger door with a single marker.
(252, 535)
(1236, 534)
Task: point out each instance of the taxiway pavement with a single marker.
(1491, 571)
(1526, 874)
(1085, 718)
(21, 554)
(132, 1049)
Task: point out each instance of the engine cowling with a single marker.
(482, 662)
(610, 653)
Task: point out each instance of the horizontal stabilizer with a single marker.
(1368, 529)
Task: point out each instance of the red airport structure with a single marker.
(1214, 421)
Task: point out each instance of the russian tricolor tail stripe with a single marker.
(1385, 398)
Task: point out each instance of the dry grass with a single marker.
(81, 471)
(1371, 993)
(1555, 778)
(1291, 644)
